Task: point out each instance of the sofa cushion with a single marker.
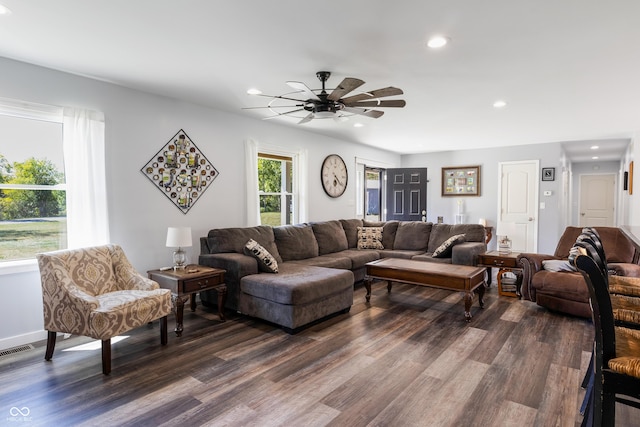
(266, 262)
(350, 227)
(616, 245)
(330, 237)
(358, 257)
(296, 242)
(388, 231)
(223, 240)
(412, 235)
(441, 232)
(399, 253)
(297, 284)
(444, 250)
(370, 238)
(328, 260)
(564, 285)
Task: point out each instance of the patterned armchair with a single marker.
(96, 292)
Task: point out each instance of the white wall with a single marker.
(137, 126)
(550, 224)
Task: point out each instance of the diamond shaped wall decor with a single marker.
(181, 171)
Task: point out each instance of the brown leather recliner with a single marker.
(566, 291)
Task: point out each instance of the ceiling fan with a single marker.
(319, 104)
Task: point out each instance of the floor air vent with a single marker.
(15, 350)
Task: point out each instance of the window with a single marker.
(373, 194)
(39, 188)
(32, 183)
(275, 189)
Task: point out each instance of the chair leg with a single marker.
(106, 356)
(163, 330)
(51, 345)
(587, 395)
(587, 376)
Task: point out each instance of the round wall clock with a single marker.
(333, 175)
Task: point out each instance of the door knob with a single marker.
(581, 213)
(530, 218)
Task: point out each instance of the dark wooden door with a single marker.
(406, 190)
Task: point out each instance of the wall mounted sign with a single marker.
(461, 181)
(180, 171)
(548, 174)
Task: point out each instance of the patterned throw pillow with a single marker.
(266, 262)
(370, 238)
(444, 250)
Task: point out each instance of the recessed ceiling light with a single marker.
(437, 42)
(254, 91)
(594, 158)
(4, 10)
(357, 125)
(594, 147)
(499, 104)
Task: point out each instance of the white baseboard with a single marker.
(23, 339)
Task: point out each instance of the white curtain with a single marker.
(84, 158)
(251, 172)
(303, 186)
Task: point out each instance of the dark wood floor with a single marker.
(406, 359)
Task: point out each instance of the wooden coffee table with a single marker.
(443, 276)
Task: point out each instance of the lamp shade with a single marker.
(179, 237)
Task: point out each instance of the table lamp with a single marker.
(179, 237)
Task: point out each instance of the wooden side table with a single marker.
(506, 263)
(186, 283)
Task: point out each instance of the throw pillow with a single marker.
(370, 238)
(266, 262)
(444, 250)
(557, 265)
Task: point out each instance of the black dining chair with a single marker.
(616, 353)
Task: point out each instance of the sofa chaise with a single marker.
(318, 263)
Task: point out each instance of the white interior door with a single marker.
(597, 200)
(518, 204)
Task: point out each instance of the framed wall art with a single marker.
(461, 181)
(181, 171)
(548, 174)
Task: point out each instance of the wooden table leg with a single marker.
(468, 300)
(389, 285)
(367, 286)
(193, 302)
(222, 300)
(178, 305)
(480, 291)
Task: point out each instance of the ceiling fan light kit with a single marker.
(320, 104)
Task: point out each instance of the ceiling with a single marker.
(568, 69)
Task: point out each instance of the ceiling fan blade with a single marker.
(388, 103)
(280, 97)
(369, 113)
(346, 86)
(306, 119)
(272, 106)
(301, 87)
(379, 93)
(282, 114)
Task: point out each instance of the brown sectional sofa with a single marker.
(319, 263)
(566, 291)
